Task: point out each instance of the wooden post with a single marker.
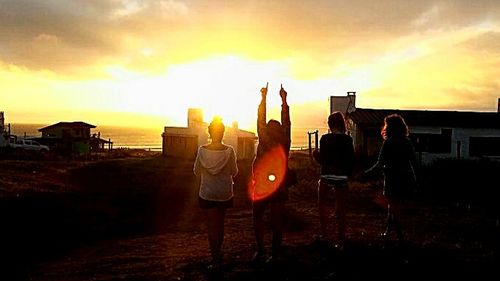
(309, 143)
(316, 139)
(315, 133)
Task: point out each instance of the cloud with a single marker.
(488, 42)
(86, 31)
(316, 38)
(427, 17)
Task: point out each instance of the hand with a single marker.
(263, 92)
(283, 93)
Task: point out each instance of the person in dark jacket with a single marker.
(269, 171)
(397, 159)
(336, 157)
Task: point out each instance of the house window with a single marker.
(484, 146)
(432, 143)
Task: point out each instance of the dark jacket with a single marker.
(336, 154)
(397, 159)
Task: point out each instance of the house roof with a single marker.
(76, 124)
(462, 119)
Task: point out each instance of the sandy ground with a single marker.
(137, 219)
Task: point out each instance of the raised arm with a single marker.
(261, 114)
(285, 116)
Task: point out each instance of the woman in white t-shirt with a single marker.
(216, 165)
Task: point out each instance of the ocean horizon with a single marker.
(150, 138)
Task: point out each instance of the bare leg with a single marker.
(340, 197)
(395, 210)
(394, 219)
(323, 208)
(215, 225)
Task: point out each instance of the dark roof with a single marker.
(461, 119)
(76, 124)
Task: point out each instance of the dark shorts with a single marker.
(208, 204)
(325, 188)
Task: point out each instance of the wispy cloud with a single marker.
(409, 54)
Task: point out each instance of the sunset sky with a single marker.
(143, 63)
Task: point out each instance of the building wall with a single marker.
(180, 146)
(366, 143)
(460, 141)
(343, 103)
(244, 146)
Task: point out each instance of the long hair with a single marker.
(394, 127)
(336, 121)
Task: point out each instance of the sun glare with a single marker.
(224, 86)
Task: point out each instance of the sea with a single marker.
(150, 138)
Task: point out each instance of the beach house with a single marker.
(72, 138)
(435, 134)
(183, 142)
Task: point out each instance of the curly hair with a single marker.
(394, 127)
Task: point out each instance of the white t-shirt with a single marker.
(217, 169)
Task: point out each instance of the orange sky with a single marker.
(143, 63)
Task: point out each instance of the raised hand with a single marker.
(283, 93)
(263, 92)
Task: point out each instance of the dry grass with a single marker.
(137, 219)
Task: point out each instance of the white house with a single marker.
(435, 134)
(184, 141)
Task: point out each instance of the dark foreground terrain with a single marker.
(137, 219)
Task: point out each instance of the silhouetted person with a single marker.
(336, 157)
(273, 147)
(397, 160)
(216, 164)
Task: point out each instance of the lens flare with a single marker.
(271, 177)
(268, 174)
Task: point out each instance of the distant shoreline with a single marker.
(150, 139)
